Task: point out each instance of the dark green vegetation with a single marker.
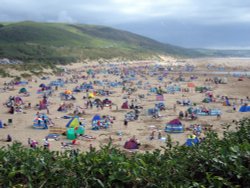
(214, 163)
(63, 43)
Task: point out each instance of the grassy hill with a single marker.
(57, 42)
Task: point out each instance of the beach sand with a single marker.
(21, 129)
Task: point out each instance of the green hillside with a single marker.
(57, 42)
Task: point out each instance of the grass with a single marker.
(66, 43)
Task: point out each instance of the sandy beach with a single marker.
(21, 127)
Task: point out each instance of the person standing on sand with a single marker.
(174, 107)
(47, 108)
(125, 122)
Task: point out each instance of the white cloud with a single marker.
(120, 11)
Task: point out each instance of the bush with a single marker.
(213, 163)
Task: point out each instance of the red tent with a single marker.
(125, 105)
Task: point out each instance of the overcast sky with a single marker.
(188, 23)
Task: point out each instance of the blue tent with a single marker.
(193, 140)
(1, 124)
(244, 108)
(96, 118)
(39, 122)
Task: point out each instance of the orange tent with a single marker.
(68, 92)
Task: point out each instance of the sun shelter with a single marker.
(244, 108)
(174, 126)
(206, 100)
(96, 121)
(107, 102)
(97, 102)
(192, 140)
(68, 92)
(73, 123)
(131, 144)
(23, 90)
(41, 121)
(125, 105)
(71, 135)
(42, 85)
(91, 95)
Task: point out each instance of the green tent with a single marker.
(23, 90)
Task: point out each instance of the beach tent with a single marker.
(206, 100)
(71, 135)
(42, 85)
(95, 119)
(91, 95)
(244, 108)
(73, 123)
(107, 102)
(131, 144)
(125, 105)
(39, 123)
(192, 140)
(174, 126)
(97, 101)
(68, 92)
(23, 90)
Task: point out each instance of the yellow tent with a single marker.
(73, 123)
(91, 95)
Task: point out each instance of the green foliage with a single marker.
(26, 75)
(213, 163)
(3, 73)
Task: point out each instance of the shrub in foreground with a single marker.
(213, 163)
